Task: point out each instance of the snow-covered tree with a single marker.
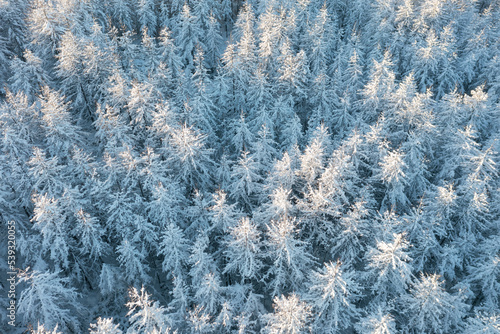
(146, 315)
(224, 215)
(483, 323)
(291, 316)
(48, 298)
(89, 232)
(290, 258)
(320, 40)
(28, 76)
(132, 260)
(189, 34)
(244, 251)
(50, 220)
(141, 104)
(332, 294)
(242, 137)
(245, 180)
(122, 12)
(189, 154)
(147, 16)
(393, 174)
(175, 249)
(377, 322)
(61, 134)
(208, 293)
(430, 308)
(389, 268)
(201, 261)
(349, 243)
(105, 326)
(180, 301)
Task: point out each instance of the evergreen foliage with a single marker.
(251, 166)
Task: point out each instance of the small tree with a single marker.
(245, 180)
(393, 174)
(201, 261)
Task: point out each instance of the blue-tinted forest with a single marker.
(258, 166)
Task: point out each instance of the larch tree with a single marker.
(290, 258)
(431, 308)
(48, 298)
(244, 251)
(389, 268)
(332, 294)
(28, 76)
(189, 34)
(291, 316)
(146, 315)
(175, 249)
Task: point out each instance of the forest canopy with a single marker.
(258, 166)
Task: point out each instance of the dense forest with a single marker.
(258, 166)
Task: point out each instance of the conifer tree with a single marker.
(147, 16)
(146, 315)
(291, 315)
(61, 134)
(28, 76)
(290, 257)
(432, 308)
(71, 70)
(332, 294)
(319, 41)
(50, 220)
(123, 13)
(175, 249)
(132, 260)
(377, 322)
(245, 180)
(48, 299)
(244, 250)
(105, 325)
(389, 268)
(484, 323)
(188, 34)
(189, 155)
(224, 215)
